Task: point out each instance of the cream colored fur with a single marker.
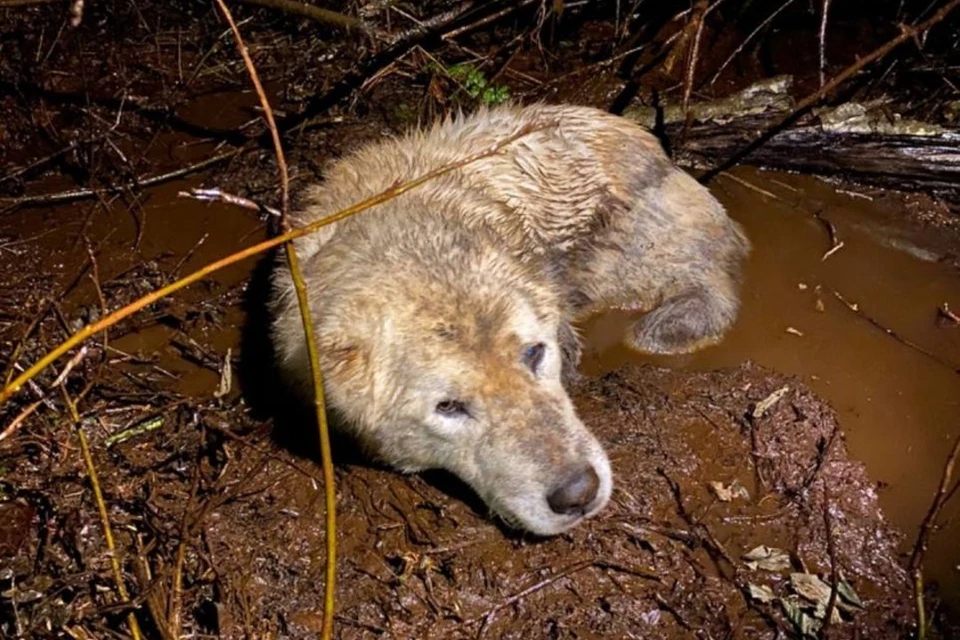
(437, 295)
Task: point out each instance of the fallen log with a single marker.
(866, 143)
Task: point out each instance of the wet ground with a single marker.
(418, 558)
(214, 494)
(898, 406)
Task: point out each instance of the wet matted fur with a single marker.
(444, 316)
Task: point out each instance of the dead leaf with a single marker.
(816, 591)
(761, 593)
(226, 377)
(727, 493)
(767, 558)
(807, 625)
(849, 595)
(764, 405)
(820, 612)
(810, 587)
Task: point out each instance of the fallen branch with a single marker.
(324, 16)
(893, 334)
(832, 553)
(314, 357)
(906, 33)
(923, 538)
(857, 141)
(215, 194)
(139, 183)
(102, 509)
(546, 582)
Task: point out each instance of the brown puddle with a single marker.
(899, 408)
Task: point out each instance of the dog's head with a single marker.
(441, 349)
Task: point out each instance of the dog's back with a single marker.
(443, 314)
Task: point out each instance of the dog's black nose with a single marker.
(575, 493)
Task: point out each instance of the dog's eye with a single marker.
(451, 408)
(533, 356)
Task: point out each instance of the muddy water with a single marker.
(177, 234)
(900, 409)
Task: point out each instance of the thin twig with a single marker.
(19, 420)
(835, 242)
(315, 13)
(747, 41)
(176, 591)
(267, 111)
(175, 602)
(71, 364)
(832, 553)
(45, 159)
(893, 334)
(319, 403)
(832, 250)
(752, 187)
(546, 582)
(138, 183)
(923, 538)
(102, 508)
(9, 4)
(216, 194)
(301, 289)
(907, 32)
(124, 312)
(189, 254)
(700, 17)
(44, 307)
(824, 10)
(152, 596)
(945, 312)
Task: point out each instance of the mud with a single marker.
(898, 405)
(226, 494)
(418, 556)
(420, 559)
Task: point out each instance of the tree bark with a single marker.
(852, 142)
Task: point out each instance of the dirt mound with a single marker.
(418, 557)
